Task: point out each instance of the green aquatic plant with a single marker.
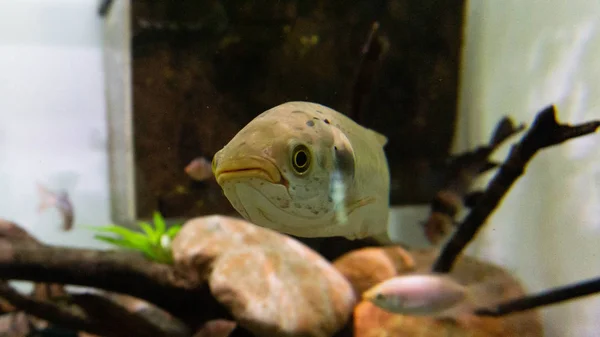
(154, 243)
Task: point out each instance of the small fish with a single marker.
(462, 172)
(422, 295)
(61, 201)
(199, 169)
(216, 328)
(290, 168)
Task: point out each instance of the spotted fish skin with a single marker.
(259, 176)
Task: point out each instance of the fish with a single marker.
(199, 169)
(277, 173)
(60, 200)
(462, 171)
(216, 328)
(431, 295)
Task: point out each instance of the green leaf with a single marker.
(152, 235)
(150, 253)
(172, 232)
(163, 255)
(127, 234)
(159, 223)
(148, 243)
(117, 242)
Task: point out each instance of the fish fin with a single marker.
(464, 308)
(381, 139)
(48, 199)
(353, 205)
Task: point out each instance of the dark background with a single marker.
(203, 69)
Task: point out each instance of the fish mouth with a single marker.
(368, 295)
(248, 167)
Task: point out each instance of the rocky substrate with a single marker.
(275, 286)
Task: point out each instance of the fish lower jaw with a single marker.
(247, 167)
(257, 173)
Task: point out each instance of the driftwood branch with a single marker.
(549, 297)
(116, 271)
(186, 301)
(544, 132)
(45, 310)
(92, 313)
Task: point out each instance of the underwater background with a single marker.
(516, 58)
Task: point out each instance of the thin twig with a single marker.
(370, 55)
(544, 132)
(545, 298)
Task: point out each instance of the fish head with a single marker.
(276, 170)
(392, 301)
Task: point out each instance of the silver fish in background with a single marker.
(60, 200)
(422, 295)
(277, 173)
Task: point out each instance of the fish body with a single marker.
(277, 173)
(199, 169)
(61, 201)
(421, 295)
(216, 328)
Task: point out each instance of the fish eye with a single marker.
(300, 159)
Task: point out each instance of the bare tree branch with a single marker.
(370, 56)
(117, 271)
(545, 298)
(181, 295)
(544, 132)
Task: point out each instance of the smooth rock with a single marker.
(369, 266)
(272, 284)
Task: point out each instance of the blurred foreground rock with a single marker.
(272, 284)
(368, 266)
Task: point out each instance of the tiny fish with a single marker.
(61, 201)
(462, 172)
(422, 295)
(199, 169)
(291, 168)
(216, 328)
